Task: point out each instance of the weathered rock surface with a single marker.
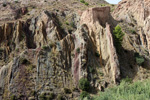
(134, 16)
(98, 21)
(47, 52)
(136, 12)
(40, 57)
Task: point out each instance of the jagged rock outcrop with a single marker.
(97, 20)
(133, 16)
(40, 58)
(137, 13)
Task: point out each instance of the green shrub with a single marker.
(82, 1)
(16, 1)
(44, 47)
(67, 23)
(78, 50)
(84, 84)
(125, 91)
(126, 80)
(139, 59)
(118, 36)
(86, 3)
(132, 31)
(84, 94)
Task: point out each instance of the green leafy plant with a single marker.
(127, 91)
(132, 31)
(84, 94)
(139, 59)
(45, 48)
(66, 23)
(126, 80)
(82, 1)
(118, 36)
(86, 3)
(84, 84)
(78, 50)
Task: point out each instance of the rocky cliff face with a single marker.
(137, 13)
(43, 54)
(41, 57)
(133, 16)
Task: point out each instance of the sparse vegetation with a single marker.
(103, 5)
(84, 94)
(118, 36)
(132, 31)
(78, 50)
(45, 48)
(84, 84)
(84, 2)
(101, 74)
(66, 23)
(72, 24)
(91, 69)
(139, 59)
(16, 1)
(127, 91)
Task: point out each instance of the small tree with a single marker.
(118, 36)
(84, 84)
